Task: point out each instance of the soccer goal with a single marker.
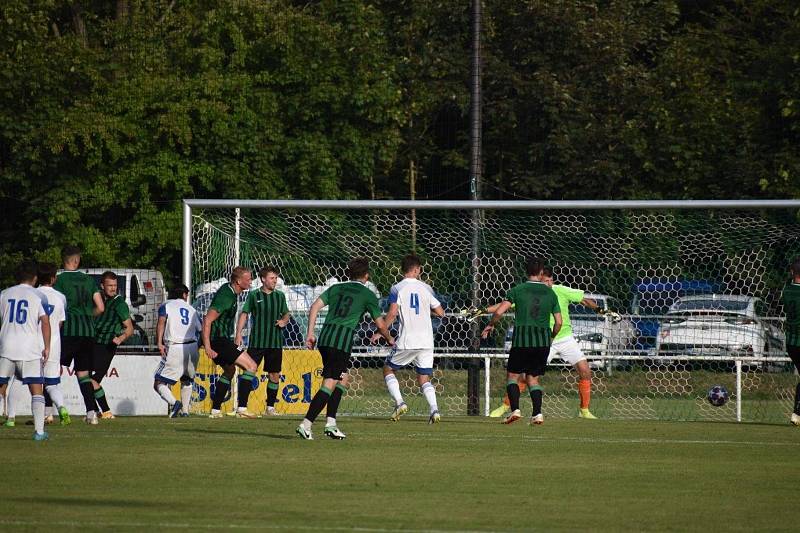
(696, 284)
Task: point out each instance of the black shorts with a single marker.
(530, 361)
(227, 351)
(794, 355)
(102, 354)
(79, 350)
(273, 358)
(334, 363)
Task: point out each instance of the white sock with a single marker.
(430, 394)
(55, 393)
(306, 423)
(394, 388)
(186, 396)
(164, 391)
(11, 404)
(37, 408)
(330, 422)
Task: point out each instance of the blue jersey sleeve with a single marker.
(162, 310)
(393, 295)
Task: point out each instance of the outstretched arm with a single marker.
(501, 309)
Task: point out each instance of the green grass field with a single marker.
(464, 474)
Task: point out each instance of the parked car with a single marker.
(652, 298)
(718, 325)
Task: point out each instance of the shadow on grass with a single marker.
(230, 432)
(84, 502)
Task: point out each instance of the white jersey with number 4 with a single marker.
(20, 334)
(414, 300)
(55, 305)
(183, 322)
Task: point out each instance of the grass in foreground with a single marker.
(463, 474)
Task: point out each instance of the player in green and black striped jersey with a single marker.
(77, 341)
(348, 302)
(534, 304)
(218, 330)
(112, 328)
(791, 306)
(267, 309)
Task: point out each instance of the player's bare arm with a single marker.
(380, 323)
(238, 339)
(557, 324)
(311, 340)
(126, 333)
(389, 318)
(284, 320)
(99, 305)
(502, 307)
(160, 327)
(44, 323)
(211, 316)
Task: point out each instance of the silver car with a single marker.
(718, 325)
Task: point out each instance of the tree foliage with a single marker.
(112, 112)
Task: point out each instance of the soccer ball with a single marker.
(717, 395)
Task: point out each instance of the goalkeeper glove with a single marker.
(608, 313)
(472, 313)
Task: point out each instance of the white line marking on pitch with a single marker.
(173, 525)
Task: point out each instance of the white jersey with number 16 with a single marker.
(20, 334)
(414, 300)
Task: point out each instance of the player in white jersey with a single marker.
(25, 340)
(176, 333)
(412, 301)
(56, 307)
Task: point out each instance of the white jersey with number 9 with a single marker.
(183, 322)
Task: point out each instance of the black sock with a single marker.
(336, 397)
(272, 393)
(221, 388)
(797, 400)
(512, 389)
(87, 391)
(536, 397)
(100, 398)
(48, 401)
(317, 403)
(245, 386)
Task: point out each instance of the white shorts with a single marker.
(30, 372)
(566, 349)
(52, 370)
(422, 359)
(180, 362)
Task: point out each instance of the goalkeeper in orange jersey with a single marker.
(564, 344)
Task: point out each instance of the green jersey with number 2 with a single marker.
(534, 304)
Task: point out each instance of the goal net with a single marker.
(698, 291)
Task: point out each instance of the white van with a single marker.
(144, 293)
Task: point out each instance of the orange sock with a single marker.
(585, 391)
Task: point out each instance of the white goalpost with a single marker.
(697, 284)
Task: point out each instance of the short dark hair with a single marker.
(46, 272)
(26, 271)
(534, 266)
(178, 291)
(266, 270)
(358, 267)
(409, 262)
(108, 275)
(70, 250)
(547, 271)
(794, 268)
